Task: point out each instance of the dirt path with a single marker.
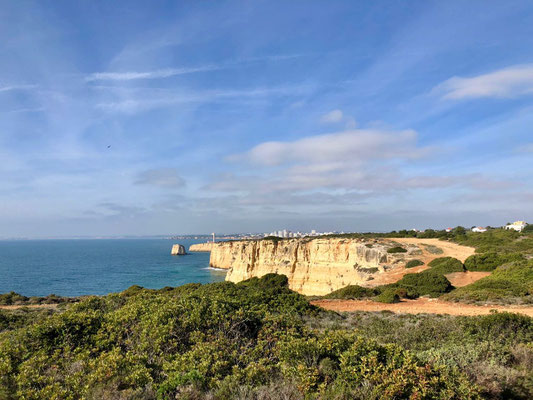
(419, 306)
(14, 307)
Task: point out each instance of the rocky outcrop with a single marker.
(199, 247)
(313, 266)
(178, 250)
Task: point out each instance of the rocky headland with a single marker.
(201, 247)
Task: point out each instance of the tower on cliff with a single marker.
(213, 237)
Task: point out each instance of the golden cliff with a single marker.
(200, 247)
(313, 266)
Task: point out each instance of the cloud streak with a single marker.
(504, 83)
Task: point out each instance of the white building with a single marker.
(479, 229)
(517, 226)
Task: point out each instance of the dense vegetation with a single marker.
(495, 351)
(220, 341)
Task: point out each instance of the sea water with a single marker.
(83, 267)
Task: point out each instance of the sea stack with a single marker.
(178, 250)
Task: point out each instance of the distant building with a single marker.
(517, 226)
(479, 229)
(449, 229)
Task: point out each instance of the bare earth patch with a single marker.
(419, 306)
(459, 279)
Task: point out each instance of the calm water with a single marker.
(78, 267)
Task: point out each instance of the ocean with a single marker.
(84, 267)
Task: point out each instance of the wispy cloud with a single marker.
(16, 87)
(170, 72)
(508, 82)
(333, 116)
(155, 74)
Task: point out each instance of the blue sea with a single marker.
(83, 267)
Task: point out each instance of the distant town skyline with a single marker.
(139, 118)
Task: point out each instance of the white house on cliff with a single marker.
(517, 226)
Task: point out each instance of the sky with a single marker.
(182, 117)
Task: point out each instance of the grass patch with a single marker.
(490, 261)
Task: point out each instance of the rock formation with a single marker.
(313, 266)
(178, 250)
(201, 247)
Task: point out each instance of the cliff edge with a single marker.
(201, 247)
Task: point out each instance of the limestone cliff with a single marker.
(313, 266)
(200, 247)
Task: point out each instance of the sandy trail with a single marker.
(419, 306)
(14, 307)
(449, 249)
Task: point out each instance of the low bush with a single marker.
(7, 299)
(446, 265)
(388, 295)
(352, 292)
(396, 249)
(413, 263)
(424, 283)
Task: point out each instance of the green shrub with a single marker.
(11, 298)
(446, 265)
(352, 292)
(396, 249)
(388, 296)
(490, 261)
(413, 263)
(424, 283)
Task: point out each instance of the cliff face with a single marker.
(201, 247)
(313, 266)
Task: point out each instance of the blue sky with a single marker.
(140, 118)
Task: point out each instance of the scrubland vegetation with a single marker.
(252, 340)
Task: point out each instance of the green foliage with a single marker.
(352, 292)
(388, 295)
(490, 261)
(446, 265)
(214, 341)
(424, 283)
(498, 241)
(413, 263)
(510, 283)
(396, 249)
(7, 299)
(494, 350)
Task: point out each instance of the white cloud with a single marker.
(333, 116)
(508, 82)
(162, 177)
(347, 146)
